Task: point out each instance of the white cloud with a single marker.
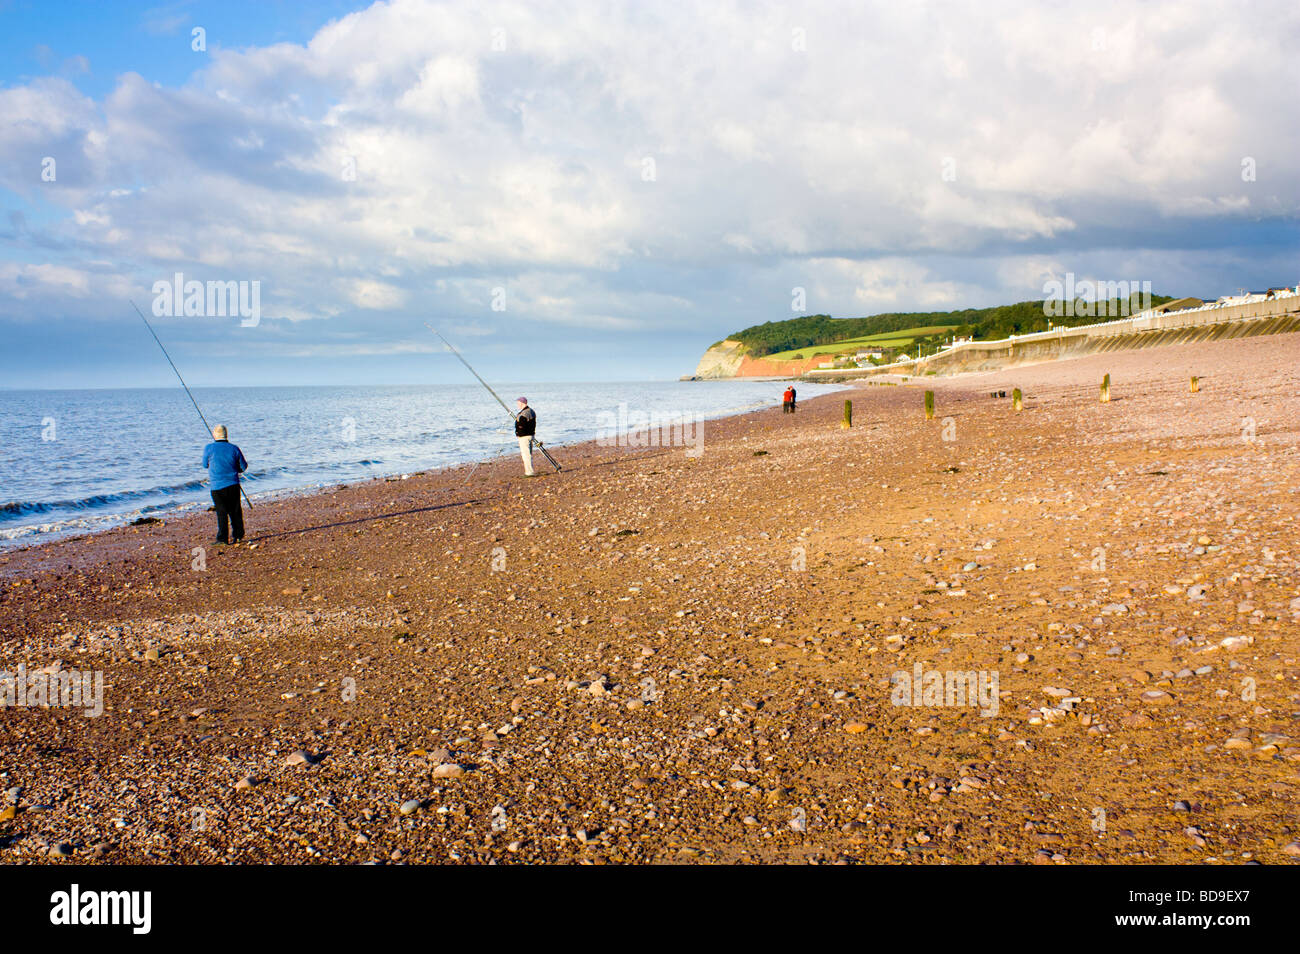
(41, 286)
(886, 284)
(373, 295)
(522, 167)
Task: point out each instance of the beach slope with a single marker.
(653, 657)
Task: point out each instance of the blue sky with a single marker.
(578, 191)
(93, 43)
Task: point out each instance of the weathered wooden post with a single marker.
(1196, 384)
(1016, 401)
(848, 415)
(1105, 389)
(929, 405)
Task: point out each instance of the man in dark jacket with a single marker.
(525, 428)
(225, 462)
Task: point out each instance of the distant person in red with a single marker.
(787, 401)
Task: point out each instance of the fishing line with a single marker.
(188, 393)
(535, 441)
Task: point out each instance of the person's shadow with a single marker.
(349, 523)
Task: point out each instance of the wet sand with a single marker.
(658, 658)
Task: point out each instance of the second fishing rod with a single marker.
(535, 442)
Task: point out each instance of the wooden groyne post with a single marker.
(848, 415)
(1016, 401)
(929, 405)
(1195, 385)
(1105, 389)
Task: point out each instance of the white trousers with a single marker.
(526, 452)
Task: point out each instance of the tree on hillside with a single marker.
(1000, 321)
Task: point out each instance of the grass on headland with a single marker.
(890, 339)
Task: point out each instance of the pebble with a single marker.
(300, 757)
(571, 767)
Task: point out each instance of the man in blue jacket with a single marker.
(225, 462)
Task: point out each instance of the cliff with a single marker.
(721, 361)
(729, 359)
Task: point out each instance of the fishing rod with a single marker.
(514, 414)
(184, 385)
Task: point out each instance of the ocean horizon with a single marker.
(84, 460)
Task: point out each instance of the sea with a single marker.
(80, 461)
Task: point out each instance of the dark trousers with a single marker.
(229, 512)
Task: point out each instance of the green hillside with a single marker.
(794, 336)
(888, 339)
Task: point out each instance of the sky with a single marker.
(579, 191)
